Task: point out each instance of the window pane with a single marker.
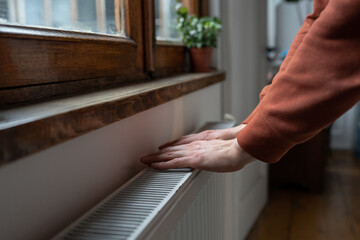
(166, 20)
(97, 16)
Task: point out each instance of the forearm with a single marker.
(320, 83)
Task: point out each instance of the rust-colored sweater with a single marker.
(318, 81)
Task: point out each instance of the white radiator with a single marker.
(173, 204)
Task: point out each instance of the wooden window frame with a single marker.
(39, 63)
(163, 58)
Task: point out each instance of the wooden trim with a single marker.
(134, 29)
(204, 8)
(174, 43)
(150, 38)
(28, 129)
(170, 59)
(39, 92)
(118, 9)
(30, 62)
(193, 6)
(197, 7)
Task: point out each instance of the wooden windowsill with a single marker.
(28, 129)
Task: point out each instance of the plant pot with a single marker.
(200, 59)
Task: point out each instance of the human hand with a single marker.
(221, 134)
(212, 155)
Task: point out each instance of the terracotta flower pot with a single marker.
(200, 59)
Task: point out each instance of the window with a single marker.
(165, 20)
(76, 15)
(39, 60)
(59, 47)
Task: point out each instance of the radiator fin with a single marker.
(204, 217)
(125, 213)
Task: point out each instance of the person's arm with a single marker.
(299, 95)
(318, 84)
(294, 45)
(226, 134)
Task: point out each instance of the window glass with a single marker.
(166, 20)
(96, 16)
(61, 13)
(34, 12)
(3, 10)
(86, 19)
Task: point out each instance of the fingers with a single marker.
(179, 141)
(170, 157)
(223, 134)
(158, 157)
(163, 155)
(211, 155)
(188, 139)
(182, 162)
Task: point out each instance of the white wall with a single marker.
(289, 18)
(242, 55)
(43, 193)
(343, 131)
(243, 51)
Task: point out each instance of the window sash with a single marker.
(39, 63)
(66, 62)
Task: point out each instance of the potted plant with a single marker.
(199, 35)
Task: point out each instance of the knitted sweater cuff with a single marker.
(259, 140)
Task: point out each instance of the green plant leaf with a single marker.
(197, 32)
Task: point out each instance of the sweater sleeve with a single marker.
(297, 41)
(319, 83)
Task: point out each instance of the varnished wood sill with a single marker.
(29, 129)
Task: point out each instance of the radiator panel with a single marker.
(173, 204)
(128, 211)
(204, 218)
